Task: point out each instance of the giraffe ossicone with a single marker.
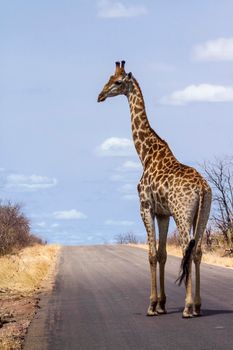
(167, 188)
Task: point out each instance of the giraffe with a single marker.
(167, 188)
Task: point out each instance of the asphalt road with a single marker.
(101, 297)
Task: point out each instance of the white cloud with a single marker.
(200, 93)
(55, 225)
(116, 9)
(130, 197)
(127, 188)
(116, 147)
(69, 215)
(117, 177)
(119, 223)
(127, 172)
(129, 192)
(214, 50)
(29, 182)
(129, 166)
(41, 224)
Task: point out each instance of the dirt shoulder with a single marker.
(23, 276)
(212, 258)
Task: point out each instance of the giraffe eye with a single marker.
(118, 82)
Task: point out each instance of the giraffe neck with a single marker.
(143, 135)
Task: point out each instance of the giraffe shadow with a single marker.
(212, 312)
(205, 312)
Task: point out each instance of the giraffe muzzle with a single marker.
(101, 97)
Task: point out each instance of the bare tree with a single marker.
(208, 238)
(126, 238)
(14, 229)
(120, 238)
(220, 175)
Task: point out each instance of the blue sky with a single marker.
(70, 160)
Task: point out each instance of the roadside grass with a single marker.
(25, 270)
(22, 275)
(213, 258)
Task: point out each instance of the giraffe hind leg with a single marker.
(200, 229)
(184, 228)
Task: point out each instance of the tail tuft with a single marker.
(184, 267)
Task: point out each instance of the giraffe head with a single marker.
(119, 84)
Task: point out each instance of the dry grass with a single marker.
(22, 276)
(9, 344)
(26, 270)
(213, 258)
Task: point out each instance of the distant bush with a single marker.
(213, 241)
(126, 238)
(173, 239)
(14, 229)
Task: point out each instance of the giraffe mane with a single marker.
(139, 88)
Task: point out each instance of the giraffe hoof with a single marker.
(188, 312)
(197, 311)
(197, 314)
(186, 315)
(151, 313)
(152, 309)
(161, 311)
(161, 307)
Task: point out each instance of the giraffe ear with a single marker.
(129, 75)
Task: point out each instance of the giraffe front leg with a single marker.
(153, 267)
(148, 219)
(161, 307)
(163, 223)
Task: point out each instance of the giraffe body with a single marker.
(167, 188)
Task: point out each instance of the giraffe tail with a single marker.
(184, 267)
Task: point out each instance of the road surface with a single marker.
(100, 300)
